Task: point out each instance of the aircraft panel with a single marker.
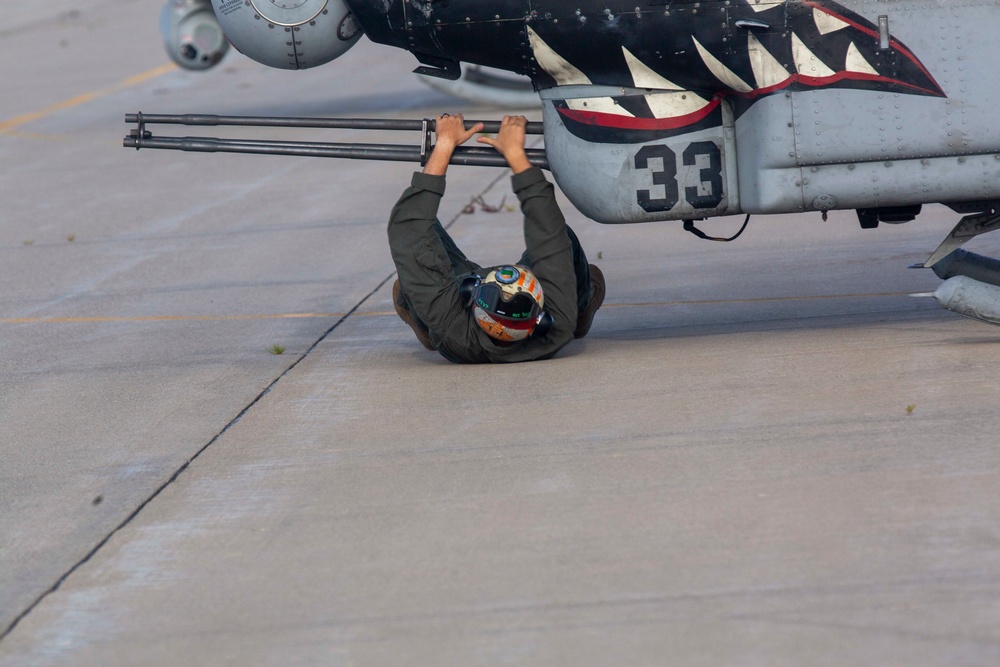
(666, 177)
(838, 126)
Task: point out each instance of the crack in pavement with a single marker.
(135, 513)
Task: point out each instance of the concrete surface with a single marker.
(765, 453)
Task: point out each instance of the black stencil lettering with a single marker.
(667, 177)
(710, 176)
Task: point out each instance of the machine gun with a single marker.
(141, 137)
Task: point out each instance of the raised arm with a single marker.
(451, 133)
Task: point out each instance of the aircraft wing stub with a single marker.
(967, 229)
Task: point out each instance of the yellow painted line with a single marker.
(183, 318)
(8, 125)
(383, 313)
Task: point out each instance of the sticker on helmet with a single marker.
(507, 275)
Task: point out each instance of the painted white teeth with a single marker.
(599, 105)
(721, 72)
(857, 63)
(806, 62)
(554, 64)
(827, 23)
(763, 5)
(673, 101)
(643, 76)
(766, 68)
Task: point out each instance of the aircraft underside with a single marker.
(679, 110)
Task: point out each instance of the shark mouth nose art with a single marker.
(697, 61)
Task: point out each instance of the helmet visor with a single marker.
(518, 307)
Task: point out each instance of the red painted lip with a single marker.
(615, 121)
(893, 43)
(820, 82)
(917, 81)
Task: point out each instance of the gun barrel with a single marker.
(470, 156)
(211, 120)
(463, 155)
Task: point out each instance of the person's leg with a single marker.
(405, 312)
(580, 267)
(589, 284)
(589, 287)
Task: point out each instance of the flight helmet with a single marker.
(508, 303)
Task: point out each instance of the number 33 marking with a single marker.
(709, 178)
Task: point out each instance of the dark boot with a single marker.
(404, 313)
(586, 316)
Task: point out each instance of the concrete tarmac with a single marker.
(765, 452)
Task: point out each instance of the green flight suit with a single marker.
(431, 269)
